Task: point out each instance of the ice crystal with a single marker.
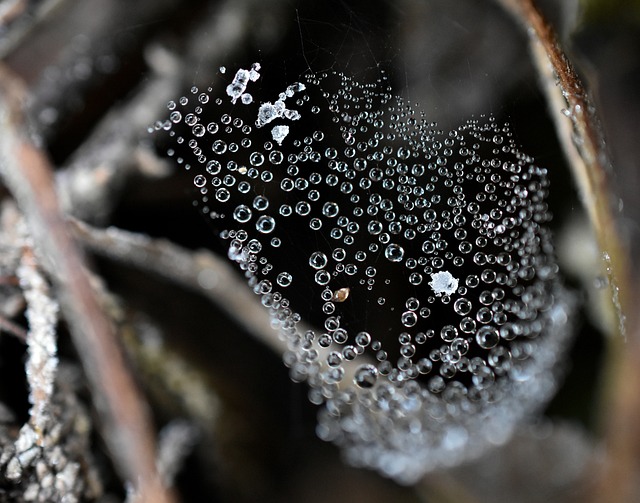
(424, 256)
(42, 364)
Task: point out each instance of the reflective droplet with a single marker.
(242, 213)
(199, 181)
(213, 167)
(462, 306)
(256, 159)
(487, 337)
(284, 279)
(363, 339)
(219, 147)
(260, 203)
(409, 318)
(394, 252)
(375, 227)
(366, 376)
(330, 209)
(318, 260)
(265, 224)
(222, 195)
(322, 278)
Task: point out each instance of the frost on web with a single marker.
(420, 259)
(443, 283)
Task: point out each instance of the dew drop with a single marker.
(409, 318)
(284, 279)
(222, 195)
(394, 252)
(366, 376)
(363, 339)
(322, 277)
(487, 337)
(199, 181)
(242, 214)
(256, 159)
(318, 260)
(265, 224)
(330, 209)
(462, 306)
(219, 147)
(198, 130)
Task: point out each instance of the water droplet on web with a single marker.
(222, 195)
(318, 260)
(409, 319)
(242, 213)
(265, 224)
(198, 130)
(487, 337)
(462, 306)
(366, 376)
(284, 279)
(330, 209)
(199, 181)
(394, 253)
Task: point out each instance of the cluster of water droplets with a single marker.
(409, 270)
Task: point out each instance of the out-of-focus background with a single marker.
(98, 72)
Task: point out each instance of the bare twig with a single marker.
(28, 174)
(13, 328)
(201, 271)
(176, 441)
(579, 132)
(169, 377)
(42, 313)
(93, 179)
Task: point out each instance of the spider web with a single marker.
(326, 214)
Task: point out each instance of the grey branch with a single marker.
(28, 175)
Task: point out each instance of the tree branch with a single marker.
(28, 175)
(579, 132)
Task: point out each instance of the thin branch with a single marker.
(200, 271)
(12, 328)
(203, 272)
(42, 364)
(168, 376)
(92, 181)
(28, 174)
(176, 441)
(579, 132)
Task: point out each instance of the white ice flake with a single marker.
(238, 86)
(279, 133)
(443, 283)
